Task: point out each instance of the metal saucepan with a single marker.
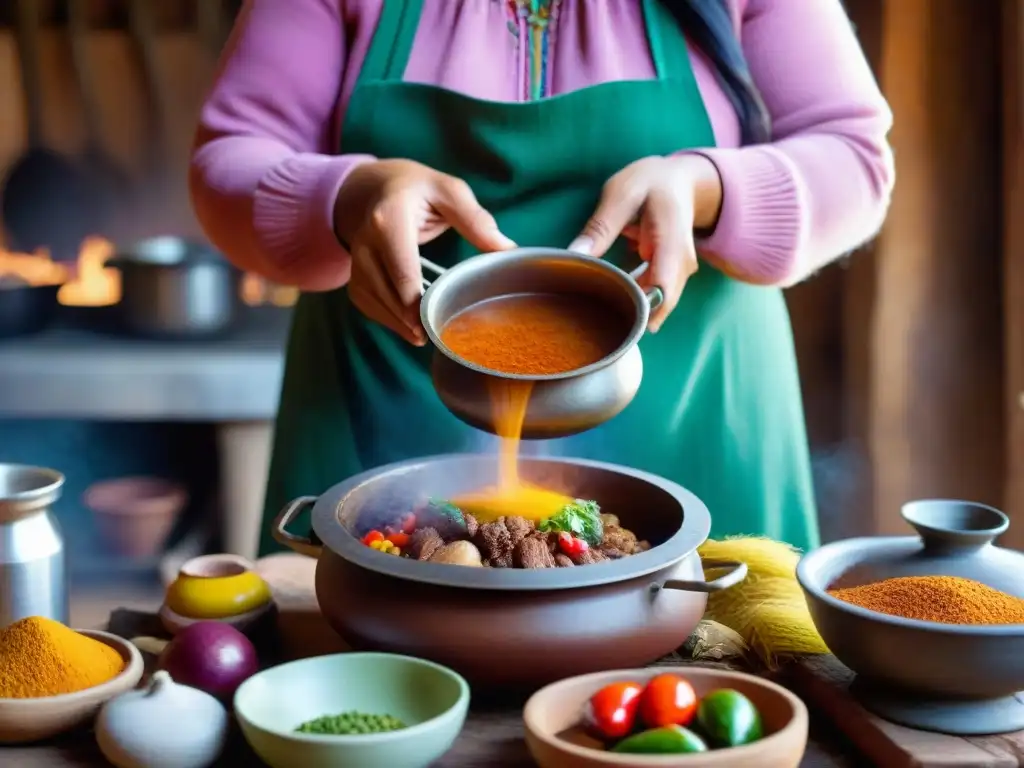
(25, 309)
(560, 404)
(173, 288)
(507, 626)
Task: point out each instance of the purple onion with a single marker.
(210, 656)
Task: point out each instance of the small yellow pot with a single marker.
(216, 587)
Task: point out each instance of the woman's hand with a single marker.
(384, 211)
(657, 203)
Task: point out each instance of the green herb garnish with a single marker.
(581, 518)
(351, 723)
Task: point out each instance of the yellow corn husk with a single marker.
(768, 609)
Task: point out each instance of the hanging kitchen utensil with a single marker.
(46, 202)
(108, 182)
(151, 194)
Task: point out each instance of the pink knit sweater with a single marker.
(265, 171)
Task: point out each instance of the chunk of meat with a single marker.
(518, 528)
(495, 543)
(564, 561)
(609, 520)
(533, 552)
(424, 542)
(472, 525)
(589, 557)
(613, 554)
(619, 538)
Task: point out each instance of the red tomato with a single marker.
(611, 712)
(667, 700)
(570, 545)
(409, 523)
(399, 539)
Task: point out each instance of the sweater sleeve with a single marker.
(262, 182)
(823, 186)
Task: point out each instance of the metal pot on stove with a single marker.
(506, 626)
(174, 288)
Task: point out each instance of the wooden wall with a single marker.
(901, 345)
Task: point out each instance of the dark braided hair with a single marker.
(709, 26)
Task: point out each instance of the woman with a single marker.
(344, 137)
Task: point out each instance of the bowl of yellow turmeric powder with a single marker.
(53, 678)
(932, 624)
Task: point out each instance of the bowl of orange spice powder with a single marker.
(536, 342)
(53, 678)
(932, 624)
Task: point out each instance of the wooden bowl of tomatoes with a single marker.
(686, 716)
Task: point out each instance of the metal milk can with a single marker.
(33, 574)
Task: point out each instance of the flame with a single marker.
(90, 283)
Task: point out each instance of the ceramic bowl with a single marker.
(223, 588)
(940, 677)
(552, 717)
(135, 515)
(432, 700)
(23, 720)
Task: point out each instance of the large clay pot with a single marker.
(507, 626)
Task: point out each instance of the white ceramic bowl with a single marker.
(430, 699)
(24, 720)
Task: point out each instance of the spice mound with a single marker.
(350, 724)
(942, 599)
(42, 657)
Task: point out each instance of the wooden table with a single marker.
(493, 735)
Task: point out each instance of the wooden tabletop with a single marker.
(493, 735)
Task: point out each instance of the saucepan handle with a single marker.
(430, 266)
(737, 572)
(654, 295)
(294, 542)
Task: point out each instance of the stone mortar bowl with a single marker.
(939, 677)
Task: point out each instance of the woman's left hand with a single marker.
(658, 203)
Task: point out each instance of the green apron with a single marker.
(719, 410)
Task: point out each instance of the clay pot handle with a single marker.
(294, 542)
(737, 573)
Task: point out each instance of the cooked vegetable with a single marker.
(670, 740)
(570, 545)
(351, 723)
(729, 719)
(372, 536)
(667, 700)
(458, 553)
(582, 519)
(385, 546)
(399, 539)
(445, 509)
(611, 712)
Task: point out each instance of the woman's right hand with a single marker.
(384, 211)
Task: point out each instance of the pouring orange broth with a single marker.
(527, 334)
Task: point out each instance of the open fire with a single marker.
(88, 282)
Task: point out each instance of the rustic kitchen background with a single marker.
(912, 350)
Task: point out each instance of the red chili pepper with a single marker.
(611, 712)
(667, 700)
(570, 545)
(409, 523)
(373, 536)
(399, 539)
